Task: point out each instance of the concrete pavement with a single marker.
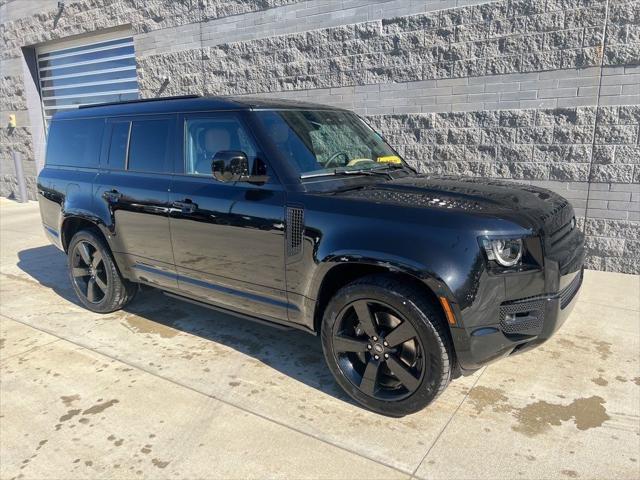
(165, 389)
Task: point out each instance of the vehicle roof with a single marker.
(191, 103)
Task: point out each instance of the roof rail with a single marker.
(139, 100)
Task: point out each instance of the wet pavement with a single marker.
(166, 389)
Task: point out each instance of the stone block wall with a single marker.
(472, 41)
(537, 91)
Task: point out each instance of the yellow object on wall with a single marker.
(12, 121)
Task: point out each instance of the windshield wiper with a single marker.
(378, 170)
(335, 171)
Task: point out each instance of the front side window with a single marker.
(75, 143)
(323, 142)
(149, 145)
(205, 137)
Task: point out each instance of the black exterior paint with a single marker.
(225, 243)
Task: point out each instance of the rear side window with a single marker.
(75, 143)
(118, 145)
(149, 145)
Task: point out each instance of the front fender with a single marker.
(446, 259)
(391, 263)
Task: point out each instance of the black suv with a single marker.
(303, 216)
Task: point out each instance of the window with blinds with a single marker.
(92, 73)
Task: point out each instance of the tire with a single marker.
(94, 275)
(423, 364)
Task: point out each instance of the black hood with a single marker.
(536, 207)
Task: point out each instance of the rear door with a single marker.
(134, 187)
(228, 238)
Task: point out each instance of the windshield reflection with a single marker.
(327, 142)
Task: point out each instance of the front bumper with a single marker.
(524, 324)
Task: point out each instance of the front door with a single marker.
(228, 238)
(134, 186)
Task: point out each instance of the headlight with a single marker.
(507, 252)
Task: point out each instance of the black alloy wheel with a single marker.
(378, 350)
(94, 275)
(387, 344)
(88, 271)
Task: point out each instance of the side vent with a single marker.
(295, 229)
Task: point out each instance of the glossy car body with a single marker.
(277, 251)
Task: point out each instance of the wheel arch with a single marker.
(337, 274)
(73, 223)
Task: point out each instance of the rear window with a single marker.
(75, 143)
(149, 145)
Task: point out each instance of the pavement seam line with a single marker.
(22, 232)
(29, 350)
(464, 399)
(208, 395)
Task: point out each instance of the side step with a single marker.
(229, 312)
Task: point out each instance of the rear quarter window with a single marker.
(75, 143)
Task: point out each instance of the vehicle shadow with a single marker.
(293, 353)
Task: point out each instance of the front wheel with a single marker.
(94, 276)
(386, 344)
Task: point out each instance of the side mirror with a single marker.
(233, 166)
(230, 166)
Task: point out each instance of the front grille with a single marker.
(563, 241)
(570, 291)
(562, 232)
(522, 318)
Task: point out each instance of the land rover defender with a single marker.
(303, 216)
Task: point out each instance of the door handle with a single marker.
(112, 196)
(186, 206)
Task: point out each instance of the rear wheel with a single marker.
(94, 276)
(387, 345)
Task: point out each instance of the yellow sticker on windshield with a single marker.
(389, 159)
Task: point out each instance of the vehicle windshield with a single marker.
(326, 142)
